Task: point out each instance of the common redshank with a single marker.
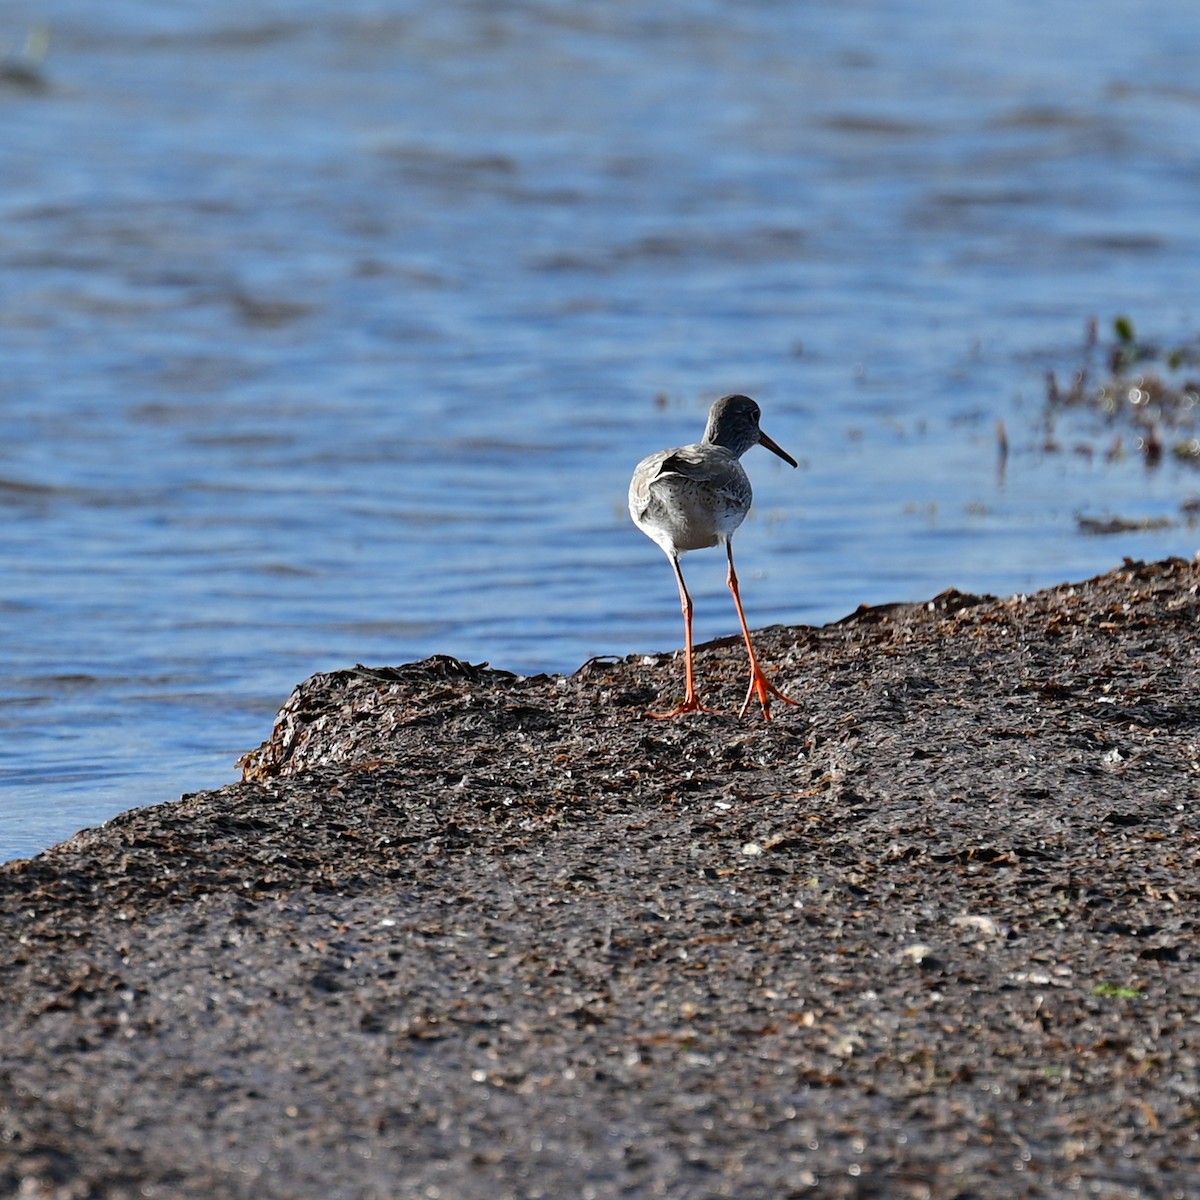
(694, 497)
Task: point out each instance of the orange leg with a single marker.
(691, 702)
(760, 685)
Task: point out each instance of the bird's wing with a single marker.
(684, 462)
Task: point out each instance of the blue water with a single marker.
(331, 332)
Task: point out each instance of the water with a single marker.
(331, 332)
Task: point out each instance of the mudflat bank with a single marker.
(458, 934)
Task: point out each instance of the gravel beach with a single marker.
(463, 935)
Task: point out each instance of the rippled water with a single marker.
(330, 333)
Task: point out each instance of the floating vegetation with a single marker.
(22, 69)
(1149, 389)
(1109, 525)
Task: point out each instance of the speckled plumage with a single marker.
(692, 497)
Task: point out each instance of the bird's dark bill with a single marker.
(775, 448)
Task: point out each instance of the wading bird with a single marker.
(694, 497)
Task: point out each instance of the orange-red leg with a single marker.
(760, 685)
(691, 702)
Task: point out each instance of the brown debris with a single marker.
(466, 934)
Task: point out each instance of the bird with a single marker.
(693, 497)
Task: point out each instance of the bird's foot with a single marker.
(764, 689)
(687, 705)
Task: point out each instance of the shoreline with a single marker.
(463, 933)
